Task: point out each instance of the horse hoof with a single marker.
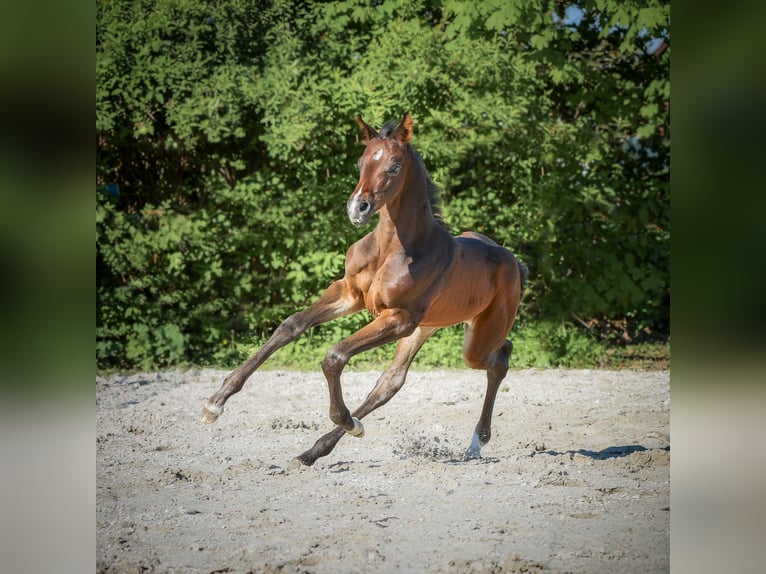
(358, 430)
(472, 454)
(210, 414)
(474, 450)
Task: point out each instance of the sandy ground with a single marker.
(575, 479)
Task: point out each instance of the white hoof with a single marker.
(358, 430)
(471, 454)
(210, 413)
(474, 451)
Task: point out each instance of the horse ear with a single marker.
(367, 131)
(403, 132)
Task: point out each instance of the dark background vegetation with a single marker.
(226, 149)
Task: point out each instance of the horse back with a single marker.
(482, 271)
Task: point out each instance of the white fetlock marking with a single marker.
(358, 430)
(474, 451)
(213, 409)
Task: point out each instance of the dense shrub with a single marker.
(226, 149)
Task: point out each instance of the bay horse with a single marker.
(414, 277)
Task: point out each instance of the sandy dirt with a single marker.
(575, 479)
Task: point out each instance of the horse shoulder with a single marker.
(409, 275)
(362, 262)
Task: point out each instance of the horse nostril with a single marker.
(363, 207)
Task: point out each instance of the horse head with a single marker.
(382, 168)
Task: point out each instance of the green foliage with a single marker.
(539, 344)
(228, 129)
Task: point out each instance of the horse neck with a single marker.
(408, 218)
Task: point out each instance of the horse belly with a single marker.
(477, 275)
(464, 294)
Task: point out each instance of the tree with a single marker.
(226, 149)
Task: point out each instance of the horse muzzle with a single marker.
(360, 210)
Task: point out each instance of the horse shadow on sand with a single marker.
(604, 454)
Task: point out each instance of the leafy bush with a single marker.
(226, 150)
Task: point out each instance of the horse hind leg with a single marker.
(495, 375)
(485, 347)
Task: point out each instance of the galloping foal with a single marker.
(414, 277)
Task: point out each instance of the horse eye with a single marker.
(394, 169)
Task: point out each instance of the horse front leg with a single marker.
(390, 325)
(338, 300)
(387, 385)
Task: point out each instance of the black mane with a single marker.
(387, 129)
(434, 193)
